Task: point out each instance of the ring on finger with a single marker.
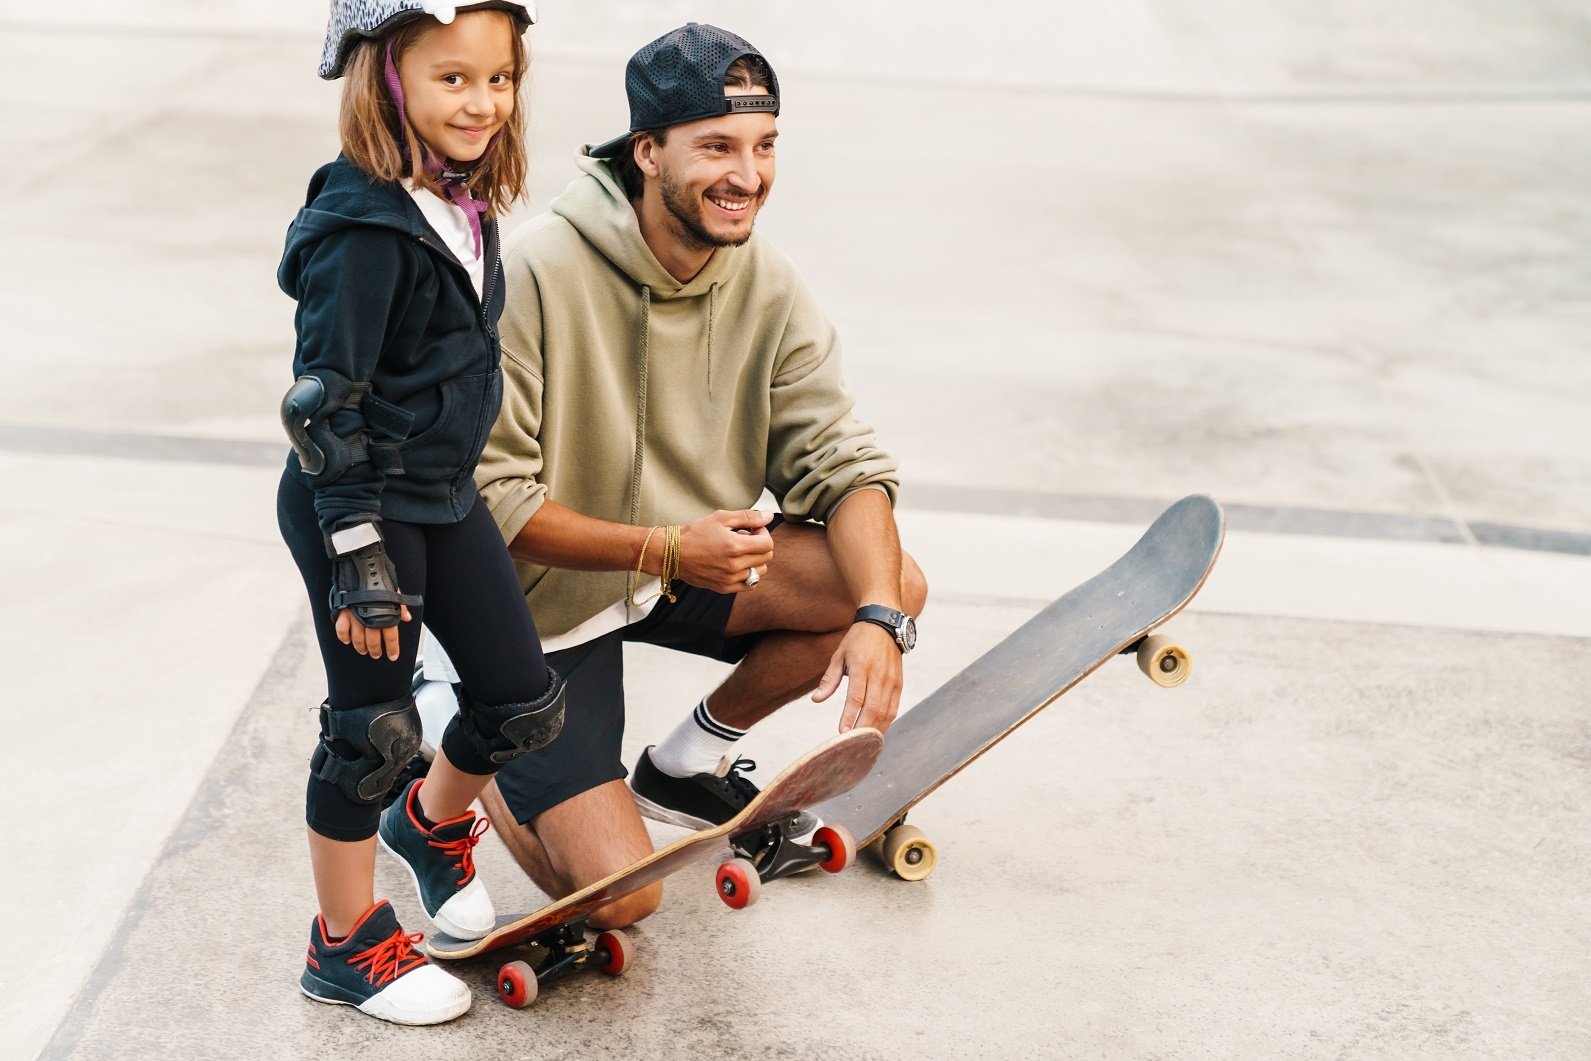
(752, 578)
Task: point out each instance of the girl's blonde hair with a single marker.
(378, 140)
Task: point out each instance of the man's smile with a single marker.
(731, 204)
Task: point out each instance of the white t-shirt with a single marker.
(435, 665)
(453, 225)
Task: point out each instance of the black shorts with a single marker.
(586, 753)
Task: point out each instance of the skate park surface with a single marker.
(1324, 263)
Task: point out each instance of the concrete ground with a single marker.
(1324, 263)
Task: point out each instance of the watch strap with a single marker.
(890, 619)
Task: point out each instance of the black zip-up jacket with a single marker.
(382, 300)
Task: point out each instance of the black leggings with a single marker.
(473, 604)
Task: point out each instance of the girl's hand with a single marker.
(367, 640)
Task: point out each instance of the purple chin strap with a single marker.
(452, 182)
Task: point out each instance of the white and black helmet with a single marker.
(352, 19)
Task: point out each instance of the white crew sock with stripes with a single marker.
(696, 746)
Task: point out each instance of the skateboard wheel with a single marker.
(1166, 662)
(516, 984)
(738, 883)
(619, 949)
(841, 844)
(908, 853)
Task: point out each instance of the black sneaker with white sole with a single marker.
(377, 969)
(441, 860)
(704, 800)
(699, 801)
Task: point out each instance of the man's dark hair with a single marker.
(747, 73)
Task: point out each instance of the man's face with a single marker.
(715, 174)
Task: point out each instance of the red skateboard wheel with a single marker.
(738, 883)
(841, 844)
(516, 984)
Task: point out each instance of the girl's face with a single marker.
(458, 83)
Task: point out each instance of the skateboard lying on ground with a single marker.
(560, 928)
(1110, 614)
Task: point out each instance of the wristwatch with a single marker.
(902, 627)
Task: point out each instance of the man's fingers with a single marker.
(830, 680)
(855, 700)
(883, 702)
(390, 637)
(748, 518)
(344, 625)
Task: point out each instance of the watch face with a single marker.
(908, 633)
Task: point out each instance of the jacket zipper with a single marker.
(481, 301)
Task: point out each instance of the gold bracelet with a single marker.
(665, 581)
(629, 597)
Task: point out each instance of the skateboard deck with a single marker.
(820, 774)
(1108, 615)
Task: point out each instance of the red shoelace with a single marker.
(463, 849)
(390, 958)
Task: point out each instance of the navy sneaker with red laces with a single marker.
(441, 860)
(377, 969)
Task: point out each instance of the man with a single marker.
(662, 367)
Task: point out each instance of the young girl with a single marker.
(394, 263)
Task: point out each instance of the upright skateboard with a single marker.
(559, 929)
(1110, 614)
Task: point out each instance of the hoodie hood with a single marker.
(342, 195)
(595, 204)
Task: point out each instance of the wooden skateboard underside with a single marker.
(1032, 667)
(821, 774)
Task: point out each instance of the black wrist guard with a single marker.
(363, 578)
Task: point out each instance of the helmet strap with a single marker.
(454, 183)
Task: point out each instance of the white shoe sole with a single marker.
(383, 1009)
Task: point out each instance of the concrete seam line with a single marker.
(46, 440)
(69, 1032)
(1244, 518)
(128, 445)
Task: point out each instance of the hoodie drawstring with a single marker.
(640, 423)
(711, 291)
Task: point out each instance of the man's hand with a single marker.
(718, 550)
(869, 659)
(368, 640)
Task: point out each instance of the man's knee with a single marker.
(621, 913)
(913, 586)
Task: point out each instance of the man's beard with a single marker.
(687, 211)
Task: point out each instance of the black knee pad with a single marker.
(363, 749)
(504, 732)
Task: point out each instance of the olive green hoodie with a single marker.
(634, 398)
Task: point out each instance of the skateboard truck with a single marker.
(773, 854)
(566, 952)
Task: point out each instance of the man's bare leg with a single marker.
(779, 668)
(803, 601)
(578, 842)
(802, 607)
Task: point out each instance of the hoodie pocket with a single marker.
(443, 450)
